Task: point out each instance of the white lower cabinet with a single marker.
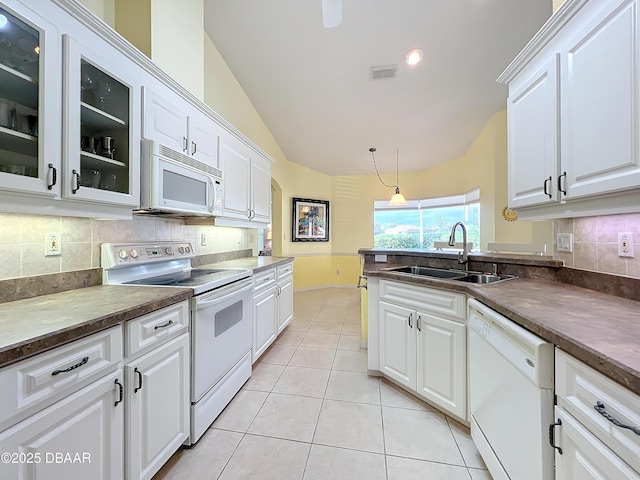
(272, 306)
(595, 421)
(157, 407)
(423, 343)
(264, 312)
(73, 412)
(583, 456)
(80, 436)
(285, 296)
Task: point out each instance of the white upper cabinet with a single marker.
(247, 182)
(573, 114)
(102, 125)
(599, 91)
(30, 107)
(164, 121)
(532, 114)
(174, 123)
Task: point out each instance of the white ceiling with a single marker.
(311, 85)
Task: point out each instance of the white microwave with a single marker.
(173, 183)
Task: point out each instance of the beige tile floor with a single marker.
(311, 412)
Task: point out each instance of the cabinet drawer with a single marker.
(155, 328)
(425, 299)
(579, 388)
(35, 383)
(285, 270)
(264, 280)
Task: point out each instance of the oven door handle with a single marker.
(202, 303)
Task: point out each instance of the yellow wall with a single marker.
(104, 9)
(556, 4)
(133, 21)
(172, 37)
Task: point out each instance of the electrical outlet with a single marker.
(52, 244)
(380, 258)
(203, 239)
(625, 244)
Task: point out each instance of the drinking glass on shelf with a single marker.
(86, 84)
(108, 181)
(104, 90)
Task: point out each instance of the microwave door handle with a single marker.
(212, 195)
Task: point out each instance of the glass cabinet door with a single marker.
(30, 142)
(102, 136)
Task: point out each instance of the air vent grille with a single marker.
(383, 71)
(185, 160)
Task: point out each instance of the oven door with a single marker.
(176, 188)
(221, 333)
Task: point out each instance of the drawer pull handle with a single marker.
(121, 393)
(139, 387)
(72, 367)
(552, 440)
(170, 322)
(600, 408)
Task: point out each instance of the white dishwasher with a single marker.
(511, 396)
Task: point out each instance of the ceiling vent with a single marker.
(384, 71)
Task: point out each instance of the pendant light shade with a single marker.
(397, 200)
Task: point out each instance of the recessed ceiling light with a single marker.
(3, 21)
(414, 56)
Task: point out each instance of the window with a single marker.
(422, 222)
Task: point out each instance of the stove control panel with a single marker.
(116, 255)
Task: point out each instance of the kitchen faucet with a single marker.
(462, 256)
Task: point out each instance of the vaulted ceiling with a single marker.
(311, 85)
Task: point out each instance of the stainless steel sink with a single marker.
(457, 275)
(483, 278)
(431, 272)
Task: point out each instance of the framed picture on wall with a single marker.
(310, 220)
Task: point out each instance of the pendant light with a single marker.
(397, 200)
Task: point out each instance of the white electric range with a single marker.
(221, 323)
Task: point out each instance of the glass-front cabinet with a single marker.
(101, 151)
(30, 107)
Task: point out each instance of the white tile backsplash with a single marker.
(22, 240)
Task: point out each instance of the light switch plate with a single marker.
(564, 242)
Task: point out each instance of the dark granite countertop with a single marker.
(33, 325)
(601, 330)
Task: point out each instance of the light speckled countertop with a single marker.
(601, 330)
